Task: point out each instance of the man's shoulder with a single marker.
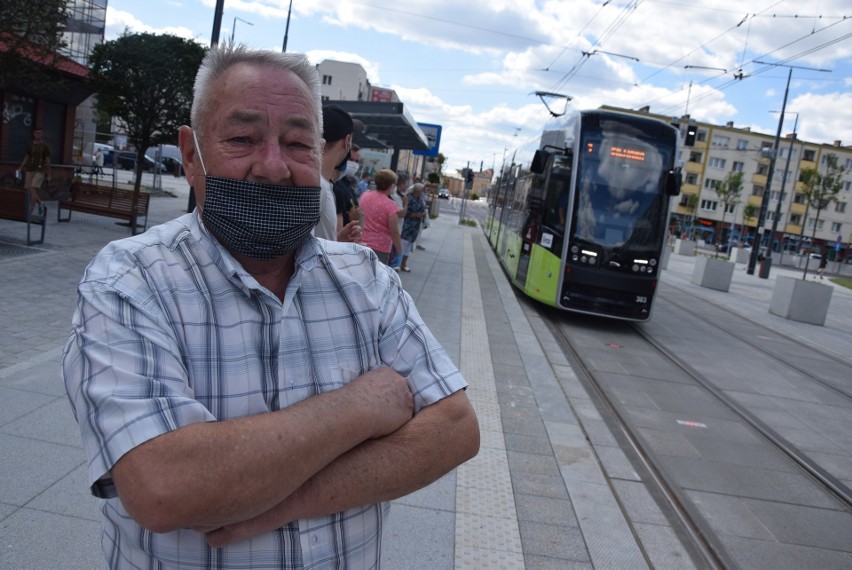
(159, 244)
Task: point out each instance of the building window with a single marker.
(847, 186)
(785, 150)
(738, 166)
(709, 205)
(757, 190)
(711, 183)
(684, 200)
(774, 195)
(763, 169)
(809, 155)
(326, 79)
(836, 227)
(701, 136)
(742, 144)
(818, 226)
(848, 163)
(730, 208)
(799, 198)
(691, 178)
(721, 142)
(694, 157)
(796, 219)
(840, 207)
(716, 162)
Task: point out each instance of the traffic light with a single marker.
(691, 131)
(469, 175)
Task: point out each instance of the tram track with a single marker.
(642, 338)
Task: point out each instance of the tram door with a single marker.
(531, 229)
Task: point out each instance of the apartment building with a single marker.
(718, 150)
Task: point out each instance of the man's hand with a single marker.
(386, 398)
(351, 232)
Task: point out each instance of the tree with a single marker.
(30, 38)
(690, 203)
(820, 190)
(145, 81)
(729, 192)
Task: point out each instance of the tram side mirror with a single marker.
(673, 181)
(539, 162)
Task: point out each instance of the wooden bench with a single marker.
(106, 201)
(15, 205)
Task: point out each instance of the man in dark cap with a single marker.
(337, 128)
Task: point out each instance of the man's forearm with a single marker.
(435, 441)
(221, 472)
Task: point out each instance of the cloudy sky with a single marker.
(473, 66)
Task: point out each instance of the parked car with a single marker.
(126, 159)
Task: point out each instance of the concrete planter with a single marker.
(667, 253)
(713, 273)
(685, 246)
(740, 254)
(799, 300)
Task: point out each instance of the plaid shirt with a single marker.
(170, 330)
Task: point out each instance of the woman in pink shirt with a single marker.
(381, 216)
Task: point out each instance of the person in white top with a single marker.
(337, 132)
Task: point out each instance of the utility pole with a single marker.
(287, 28)
(764, 203)
(781, 194)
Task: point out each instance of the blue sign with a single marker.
(433, 137)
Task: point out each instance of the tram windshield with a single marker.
(620, 199)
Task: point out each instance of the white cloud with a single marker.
(117, 21)
(824, 118)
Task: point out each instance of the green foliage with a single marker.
(749, 211)
(468, 222)
(32, 30)
(433, 178)
(145, 81)
(474, 196)
(820, 190)
(730, 192)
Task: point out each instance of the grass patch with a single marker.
(842, 281)
(468, 222)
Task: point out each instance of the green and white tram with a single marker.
(583, 227)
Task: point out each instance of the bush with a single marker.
(474, 196)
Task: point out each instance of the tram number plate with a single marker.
(641, 300)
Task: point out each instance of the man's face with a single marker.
(261, 126)
(37, 134)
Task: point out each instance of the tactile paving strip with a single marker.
(487, 533)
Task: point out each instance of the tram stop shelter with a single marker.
(387, 125)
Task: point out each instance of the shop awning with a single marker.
(388, 125)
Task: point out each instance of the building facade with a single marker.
(719, 150)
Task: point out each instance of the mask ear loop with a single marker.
(198, 150)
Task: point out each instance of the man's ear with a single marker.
(189, 154)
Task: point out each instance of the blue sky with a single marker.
(473, 66)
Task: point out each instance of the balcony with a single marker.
(694, 167)
(798, 208)
(758, 179)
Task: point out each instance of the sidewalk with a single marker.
(536, 496)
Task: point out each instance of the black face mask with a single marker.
(263, 221)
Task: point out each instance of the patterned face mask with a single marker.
(262, 221)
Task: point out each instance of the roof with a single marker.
(388, 125)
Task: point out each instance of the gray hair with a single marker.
(220, 58)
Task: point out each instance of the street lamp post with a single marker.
(287, 28)
(781, 194)
(764, 203)
(234, 26)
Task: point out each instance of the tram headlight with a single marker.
(574, 249)
(635, 267)
(653, 262)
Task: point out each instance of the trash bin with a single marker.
(765, 266)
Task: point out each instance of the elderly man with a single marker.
(247, 394)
